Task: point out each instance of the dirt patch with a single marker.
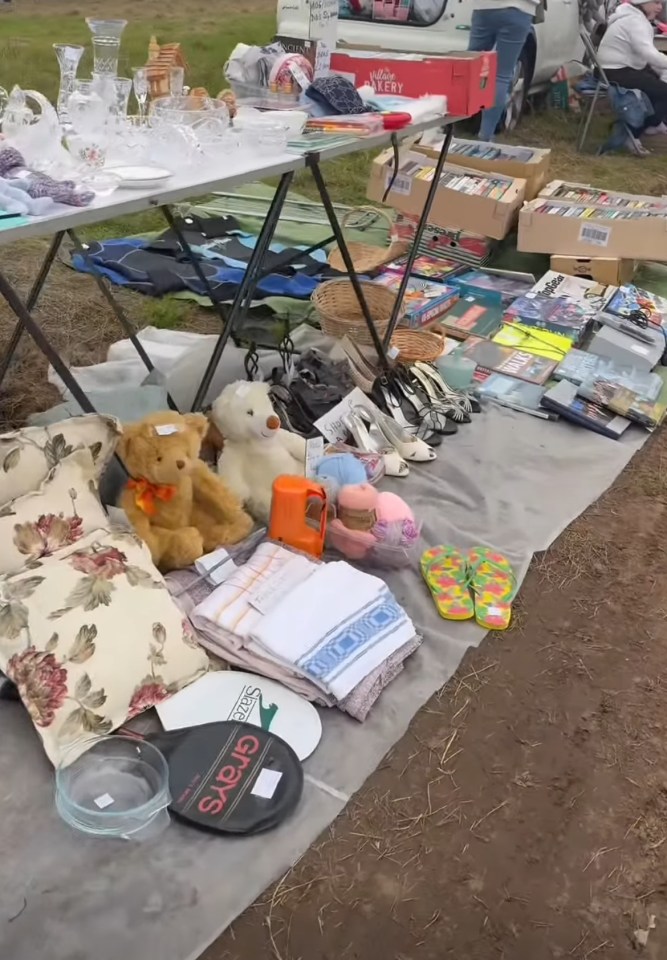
(524, 814)
(78, 321)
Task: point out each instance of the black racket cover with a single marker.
(214, 769)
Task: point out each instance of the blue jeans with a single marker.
(504, 30)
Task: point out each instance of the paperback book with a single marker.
(550, 313)
(425, 301)
(563, 399)
(468, 317)
(494, 358)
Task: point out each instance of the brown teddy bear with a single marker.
(176, 504)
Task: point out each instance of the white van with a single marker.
(438, 26)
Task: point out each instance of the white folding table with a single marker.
(237, 169)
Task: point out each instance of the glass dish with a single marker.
(115, 786)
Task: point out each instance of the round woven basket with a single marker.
(340, 314)
(365, 256)
(414, 345)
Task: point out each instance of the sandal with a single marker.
(369, 438)
(494, 587)
(445, 571)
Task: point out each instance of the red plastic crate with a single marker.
(467, 79)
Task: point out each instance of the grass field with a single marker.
(209, 33)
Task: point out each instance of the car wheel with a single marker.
(518, 92)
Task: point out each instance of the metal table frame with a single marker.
(65, 225)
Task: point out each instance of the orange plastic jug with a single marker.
(289, 508)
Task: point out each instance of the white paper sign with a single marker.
(331, 425)
(314, 453)
(323, 21)
(266, 783)
(104, 801)
(217, 566)
(322, 65)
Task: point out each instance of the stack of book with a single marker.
(437, 269)
(459, 245)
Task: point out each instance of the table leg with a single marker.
(31, 302)
(312, 161)
(27, 321)
(421, 226)
(246, 288)
(127, 325)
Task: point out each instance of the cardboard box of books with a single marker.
(527, 163)
(584, 194)
(465, 199)
(611, 270)
(554, 226)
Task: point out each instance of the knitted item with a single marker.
(39, 185)
(15, 200)
(356, 506)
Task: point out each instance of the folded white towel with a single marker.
(238, 605)
(335, 628)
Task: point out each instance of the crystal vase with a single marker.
(68, 56)
(106, 45)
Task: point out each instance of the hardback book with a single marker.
(425, 301)
(579, 367)
(563, 399)
(470, 317)
(490, 356)
(591, 296)
(550, 313)
(428, 268)
(630, 300)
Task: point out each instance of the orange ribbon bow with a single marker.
(146, 493)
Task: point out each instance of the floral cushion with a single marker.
(59, 513)
(27, 456)
(92, 638)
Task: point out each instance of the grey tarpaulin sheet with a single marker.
(507, 480)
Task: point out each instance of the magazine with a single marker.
(428, 268)
(492, 287)
(551, 313)
(515, 394)
(625, 402)
(591, 296)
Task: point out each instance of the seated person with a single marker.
(628, 56)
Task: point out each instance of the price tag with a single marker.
(266, 783)
(166, 429)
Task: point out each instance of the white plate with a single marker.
(140, 177)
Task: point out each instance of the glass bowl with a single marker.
(115, 786)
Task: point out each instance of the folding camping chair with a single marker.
(593, 95)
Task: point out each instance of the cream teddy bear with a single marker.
(256, 450)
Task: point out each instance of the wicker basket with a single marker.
(414, 345)
(340, 314)
(366, 257)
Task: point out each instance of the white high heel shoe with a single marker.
(368, 437)
(410, 447)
